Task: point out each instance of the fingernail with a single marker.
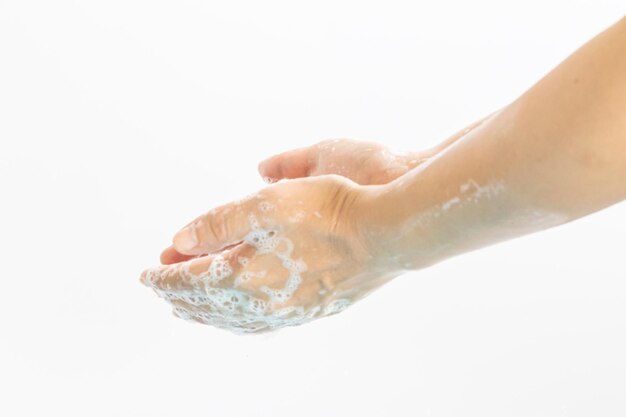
(187, 238)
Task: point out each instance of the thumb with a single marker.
(221, 227)
(296, 163)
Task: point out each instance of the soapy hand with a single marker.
(288, 254)
(366, 163)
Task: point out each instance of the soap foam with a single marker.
(202, 297)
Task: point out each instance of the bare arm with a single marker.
(306, 248)
(553, 155)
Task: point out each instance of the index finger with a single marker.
(193, 275)
(223, 226)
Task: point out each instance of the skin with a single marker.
(365, 163)
(359, 215)
(309, 214)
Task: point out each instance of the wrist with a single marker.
(413, 159)
(430, 215)
(397, 239)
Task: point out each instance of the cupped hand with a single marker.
(365, 163)
(288, 254)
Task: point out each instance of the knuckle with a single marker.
(342, 199)
(217, 230)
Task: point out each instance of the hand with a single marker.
(365, 163)
(286, 255)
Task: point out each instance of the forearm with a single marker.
(555, 154)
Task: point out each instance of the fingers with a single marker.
(215, 230)
(171, 256)
(296, 163)
(183, 279)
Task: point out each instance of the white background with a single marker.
(120, 121)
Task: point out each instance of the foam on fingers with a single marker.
(248, 287)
